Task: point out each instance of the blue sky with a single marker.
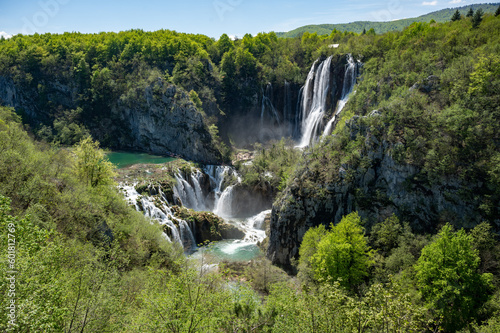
(209, 17)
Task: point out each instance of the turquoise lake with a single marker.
(125, 159)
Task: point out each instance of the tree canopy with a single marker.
(448, 278)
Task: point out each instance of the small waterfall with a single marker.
(187, 237)
(349, 82)
(191, 196)
(257, 221)
(255, 227)
(267, 104)
(164, 216)
(216, 173)
(223, 206)
(223, 198)
(189, 191)
(314, 97)
(298, 115)
(200, 198)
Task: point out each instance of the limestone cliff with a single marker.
(158, 118)
(377, 190)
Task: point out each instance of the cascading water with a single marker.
(314, 97)
(164, 217)
(190, 193)
(348, 85)
(267, 104)
(298, 115)
(223, 199)
(188, 241)
(223, 204)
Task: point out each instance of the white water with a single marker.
(349, 82)
(163, 216)
(223, 205)
(314, 97)
(190, 194)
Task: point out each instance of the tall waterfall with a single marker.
(349, 82)
(314, 98)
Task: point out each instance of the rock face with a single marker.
(250, 201)
(159, 118)
(164, 121)
(208, 227)
(376, 192)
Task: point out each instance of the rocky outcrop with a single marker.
(162, 121)
(158, 118)
(383, 188)
(250, 201)
(208, 227)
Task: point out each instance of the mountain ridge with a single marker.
(442, 15)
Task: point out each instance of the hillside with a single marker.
(442, 15)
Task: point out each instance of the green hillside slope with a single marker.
(442, 15)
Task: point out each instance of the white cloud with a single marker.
(456, 1)
(5, 35)
(429, 3)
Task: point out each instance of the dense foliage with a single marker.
(338, 255)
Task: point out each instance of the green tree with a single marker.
(456, 16)
(470, 13)
(92, 166)
(386, 235)
(224, 44)
(307, 249)
(477, 18)
(448, 278)
(343, 253)
(497, 12)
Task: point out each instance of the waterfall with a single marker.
(223, 205)
(223, 198)
(164, 216)
(298, 115)
(349, 82)
(189, 192)
(191, 196)
(216, 173)
(257, 221)
(267, 103)
(314, 97)
(187, 237)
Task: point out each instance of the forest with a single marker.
(84, 260)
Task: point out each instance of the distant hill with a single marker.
(442, 15)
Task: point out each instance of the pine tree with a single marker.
(364, 31)
(498, 11)
(470, 13)
(477, 18)
(456, 16)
